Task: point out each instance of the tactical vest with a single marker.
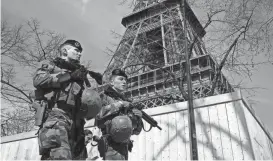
(66, 97)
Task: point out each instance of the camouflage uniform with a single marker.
(114, 151)
(55, 136)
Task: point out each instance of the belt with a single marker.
(64, 107)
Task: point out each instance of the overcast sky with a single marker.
(91, 21)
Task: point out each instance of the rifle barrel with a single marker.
(150, 120)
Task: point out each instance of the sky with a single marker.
(91, 22)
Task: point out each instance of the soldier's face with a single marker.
(74, 53)
(119, 83)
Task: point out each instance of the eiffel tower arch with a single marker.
(153, 46)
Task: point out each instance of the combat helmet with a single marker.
(90, 103)
(121, 129)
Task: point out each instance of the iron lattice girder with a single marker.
(154, 43)
(158, 8)
(150, 23)
(156, 85)
(169, 98)
(164, 38)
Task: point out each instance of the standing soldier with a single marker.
(116, 125)
(59, 91)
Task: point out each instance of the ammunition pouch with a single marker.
(103, 140)
(103, 145)
(43, 100)
(41, 107)
(70, 94)
(48, 137)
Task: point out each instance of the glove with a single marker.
(64, 77)
(96, 76)
(124, 104)
(79, 74)
(137, 112)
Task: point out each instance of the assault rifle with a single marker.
(61, 63)
(145, 116)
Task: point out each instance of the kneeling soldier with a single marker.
(116, 125)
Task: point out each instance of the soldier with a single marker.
(116, 125)
(62, 125)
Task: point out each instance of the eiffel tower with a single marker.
(153, 46)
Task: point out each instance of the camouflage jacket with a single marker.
(110, 100)
(46, 81)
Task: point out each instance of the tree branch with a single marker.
(2, 81)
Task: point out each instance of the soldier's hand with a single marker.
(137, 112)
(124, 104)
(96, 76)
(79, 74)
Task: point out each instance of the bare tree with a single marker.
(239, 38)
(22, 48)
(16, 121)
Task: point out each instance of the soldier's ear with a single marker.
(111, 82)
(64, 51)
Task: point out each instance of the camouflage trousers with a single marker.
(55, 139)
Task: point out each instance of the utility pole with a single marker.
(191, 117)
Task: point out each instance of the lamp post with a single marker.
(191, 117)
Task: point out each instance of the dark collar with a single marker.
(114, 94)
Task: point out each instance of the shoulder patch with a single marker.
(101, 95)
(47, 65)
(44, 65)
